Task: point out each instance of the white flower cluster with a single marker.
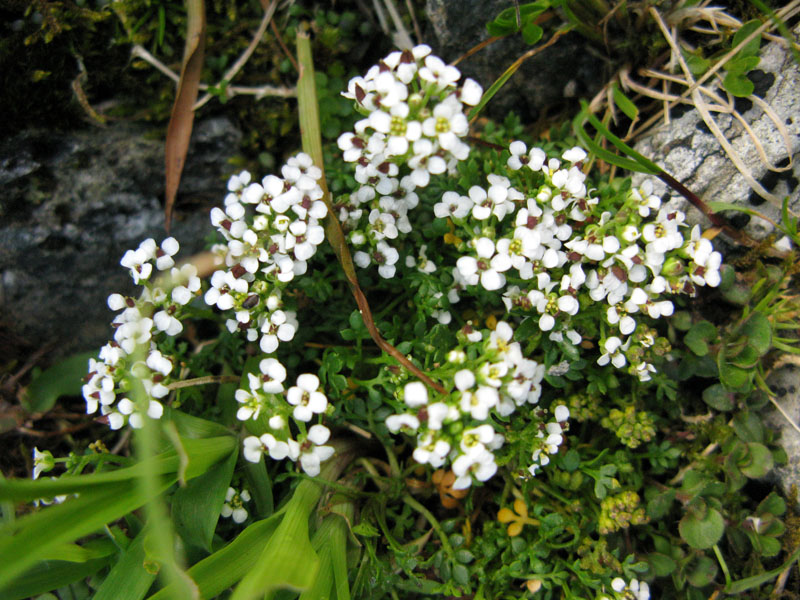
(413, 129)
(302, 401)
(635, 590)
(268, 249)
(457, 427)
(551, 232)
(157, 311)
(309, 449)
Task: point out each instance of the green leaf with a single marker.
(461, 574)
(698, 337)
(365, 529)
(128, 580)
(194, 427)
(201, 453)
(289, 560)
(196, 506)
(703, 572)
(701, 533)
(260, 486)
(758, 331)
(757, 461)
(218, 572)
(697, 64)
(772, 504)
(748, 426)
(718, 398)
(25, 541)
(51, 575)
(738, 85)
(571, 460)
(734, 378)
(750, 48)
(661, 564)
(624, 103)
(64, 378)
(532, 33)
(658, 506)
(741, 65)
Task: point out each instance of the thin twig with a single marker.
(401, 37)
(242, 60)
(784, 413)
(417, 30)
(282, 44)
(259, 92)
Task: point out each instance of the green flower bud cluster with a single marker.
(631, 426)
(596, 558)
(585, 407)
(620, 512)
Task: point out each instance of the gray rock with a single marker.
(565, 70)
(73, 203)
(688, 151)
(785, 383)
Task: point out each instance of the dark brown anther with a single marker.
(635, 259)
(251, 301)
(407, 57)
(238, 270)
(129, 302)
(619, 273)
(306, 203)
(360, 94)
(383, 67)
(273, 248)
(422, 415)
(532, 222)
(362, 160)
(158, 378)
(358, 142)
(160, 253)
(384, 167)
(226, 224)
(671, 216)
(574, 256)
(560, 219)
(171, 310)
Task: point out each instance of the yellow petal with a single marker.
(505, 515)
(515, 528)
(520, 508)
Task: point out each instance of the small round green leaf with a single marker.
(701, 533)
(702, 572)
(718, 398)
(757, 462)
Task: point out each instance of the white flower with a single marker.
(395, 423)
(42, 462)
(305, 398)
(415, 394)
(234, 505)
(169, 248)
(471, 92)
(438, 73)
(273, 374)
(312, 455)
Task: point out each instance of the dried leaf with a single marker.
(179, 130)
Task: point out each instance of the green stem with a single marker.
(408, 499)
(723, 565)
